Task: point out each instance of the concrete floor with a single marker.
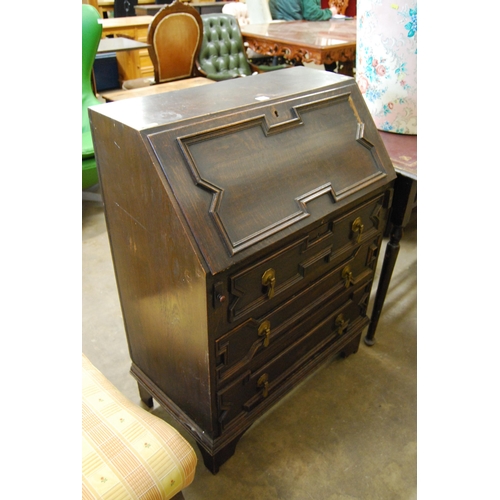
(347, 432)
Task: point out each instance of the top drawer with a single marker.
(262, 286)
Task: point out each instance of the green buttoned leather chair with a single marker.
(223, 54)
(91, 34)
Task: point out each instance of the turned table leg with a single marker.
(405, 190)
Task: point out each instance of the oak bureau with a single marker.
(245, 220)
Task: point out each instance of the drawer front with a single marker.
(257, 338)
(146, 65)
(261, 287)
(252, 387)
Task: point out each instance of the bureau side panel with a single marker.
(161, 280)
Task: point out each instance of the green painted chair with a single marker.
(91, 34)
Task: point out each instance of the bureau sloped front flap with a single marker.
(246, 178)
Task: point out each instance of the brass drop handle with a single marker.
(357, 227)
(341, 324)
(269, 281)
(347, 276)
(264, 382)
(265, 331)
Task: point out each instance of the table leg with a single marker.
(405, 190)
(346, 68)
(330, 67)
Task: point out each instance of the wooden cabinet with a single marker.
(245, 220)
(137, 63)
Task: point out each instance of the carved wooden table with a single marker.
(402, 150)
(320, 42)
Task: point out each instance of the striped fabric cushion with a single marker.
(128, 453)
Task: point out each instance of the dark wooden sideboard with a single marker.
(245, 220)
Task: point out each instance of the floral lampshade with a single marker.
(386, 62)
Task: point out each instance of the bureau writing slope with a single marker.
(245, 220)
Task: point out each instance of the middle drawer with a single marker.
(257, 340)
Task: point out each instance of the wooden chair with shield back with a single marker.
(175, 35)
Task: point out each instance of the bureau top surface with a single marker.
(253, 160)
(173, 107)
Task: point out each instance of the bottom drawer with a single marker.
(253, 387)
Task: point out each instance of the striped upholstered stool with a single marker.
(128, 453)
